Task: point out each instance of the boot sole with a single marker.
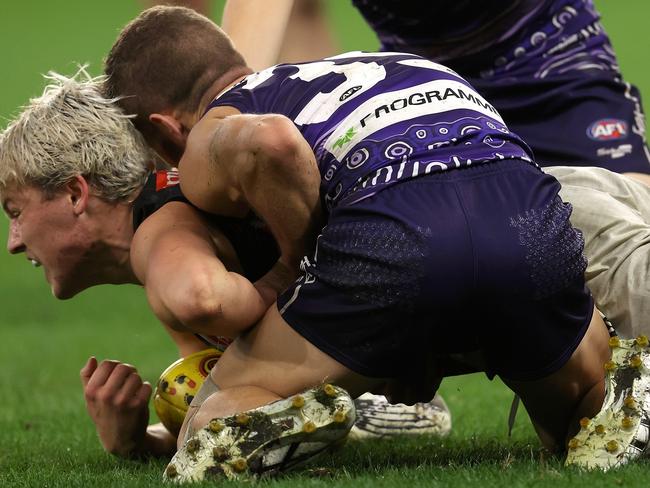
(620, 432)
(268, 439)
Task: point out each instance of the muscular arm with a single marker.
(116, 396)
(255, 23)
(187, 285)
(235, 162)
(186, 342)
(279, 31)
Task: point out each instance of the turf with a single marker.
(46, 437)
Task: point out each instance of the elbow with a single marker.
(201, 316)
(197, 306)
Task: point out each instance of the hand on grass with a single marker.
(117, 400)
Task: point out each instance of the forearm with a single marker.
(186, 342)
(308, 35)
(240, 306)
(221, 304)
(188, 286)
(157, 441)
(257, 28)
(278, 279)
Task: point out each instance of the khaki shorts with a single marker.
(613, 212)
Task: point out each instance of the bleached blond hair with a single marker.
(72, 130)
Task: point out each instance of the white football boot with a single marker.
(376, 417)
(620, 432)
(267, 439)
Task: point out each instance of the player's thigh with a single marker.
(272, 355)
(556, 402)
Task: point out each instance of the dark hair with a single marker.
(166, 58)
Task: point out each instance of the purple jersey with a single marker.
(374, 119)
(564, 36)
(511, 37)
(546, 65)
(445, 29)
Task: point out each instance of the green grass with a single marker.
(46, 437)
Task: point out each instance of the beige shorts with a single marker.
(613, 212)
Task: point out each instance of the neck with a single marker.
(221, 84)
(111, 250)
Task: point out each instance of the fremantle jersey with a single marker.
(444, 28)
(373, 119)
(510, 38)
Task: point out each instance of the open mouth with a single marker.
(35, 263)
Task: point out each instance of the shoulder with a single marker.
(173, 217)
(227, 133)
(181, 226)
(213, 118)
(202, 134)
(169, 226)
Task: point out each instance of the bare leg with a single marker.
(556, 403)
(273, 368)
(279, 362)
(275, 357)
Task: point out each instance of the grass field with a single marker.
(46, 438)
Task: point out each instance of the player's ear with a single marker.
(170, 127)
(78, 191)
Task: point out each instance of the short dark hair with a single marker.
(166, 58)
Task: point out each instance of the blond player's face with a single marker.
(47, 231)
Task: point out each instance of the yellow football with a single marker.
(179, 383)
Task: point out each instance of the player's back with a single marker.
(445, 29)
(504, 38)
(374, 119)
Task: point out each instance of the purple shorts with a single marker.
(575, 120)
(473, 261)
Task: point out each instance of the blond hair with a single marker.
(73, 130)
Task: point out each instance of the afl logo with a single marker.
(349, 92)
(607, 130)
